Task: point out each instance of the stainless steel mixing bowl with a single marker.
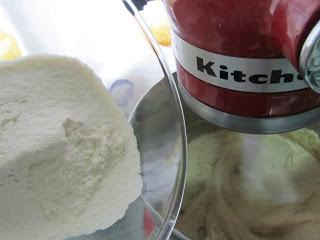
(104, 35)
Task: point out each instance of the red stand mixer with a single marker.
(251, 66)
(238, 62)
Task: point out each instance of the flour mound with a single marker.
(69, 163)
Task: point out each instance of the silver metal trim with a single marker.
(308, 52)
(249, 124)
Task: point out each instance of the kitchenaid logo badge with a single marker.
(241, 74)
(276, 76)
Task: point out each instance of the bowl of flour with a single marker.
(86, 151)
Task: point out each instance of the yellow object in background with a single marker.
(162, 34)
(9, 49)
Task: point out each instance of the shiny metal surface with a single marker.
(310, 58)
(105, 36)
(159, 125)
(152, 122)
(250, 125)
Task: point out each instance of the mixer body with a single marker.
(238, 62)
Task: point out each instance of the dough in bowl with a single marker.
(253, 187)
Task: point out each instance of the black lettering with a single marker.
(256, 78)
(300, 77)
(205, 67)
(238, 76)
(224, 74)
(276, 76)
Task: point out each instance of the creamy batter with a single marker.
(245, 187)
(69, 163)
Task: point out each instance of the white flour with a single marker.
(69, 163)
